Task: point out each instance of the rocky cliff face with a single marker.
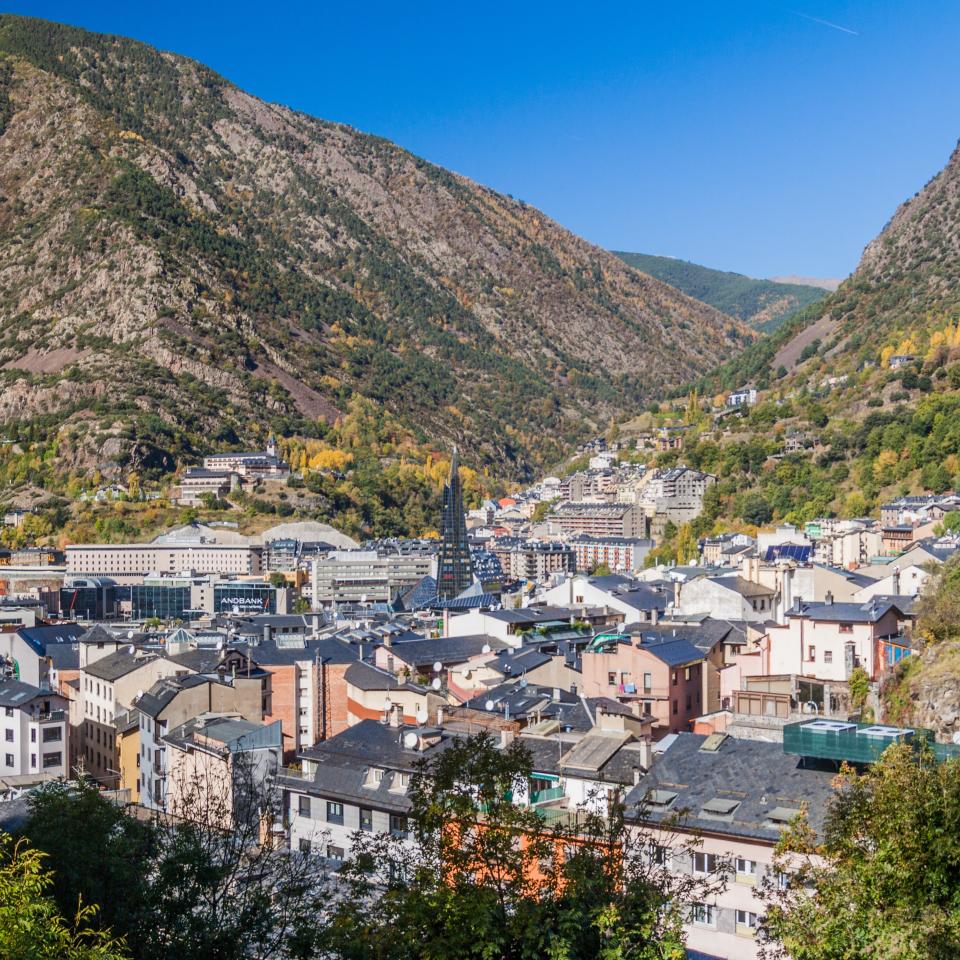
(183, 264)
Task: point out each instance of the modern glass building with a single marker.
(242, 597)
(88, 599)
(166, 598)
(454, 563)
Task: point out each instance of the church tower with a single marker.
(454, 564)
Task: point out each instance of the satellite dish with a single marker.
(130, 634)
(485, 648)
(436, 684)
(422, 716)
(388, 704)
(410, 740)
(489, 705)
(139, 694)
(437, 666)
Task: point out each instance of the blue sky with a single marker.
(763, 137)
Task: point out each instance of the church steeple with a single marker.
(454, 564)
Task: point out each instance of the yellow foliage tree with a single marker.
(331, 460)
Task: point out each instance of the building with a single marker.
(660, 675)
(738, 797)
(742, 398)
(598, 519)
(454, 563)
(129, 563)
(34, 723)
(677, 494)
(346, 577)
(265, 465)
(728, 598)
(88, 598)
(539, 560)
(198, 484)
(827, 640)
(174, 701)
(108, 687)
(221, 769)
(617, 554)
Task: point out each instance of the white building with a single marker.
(34, 725)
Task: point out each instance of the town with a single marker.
(730, 687)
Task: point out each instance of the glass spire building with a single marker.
(454, 565)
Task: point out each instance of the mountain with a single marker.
(859, 393)
(186, 266)
(764, 304)
(821, 283)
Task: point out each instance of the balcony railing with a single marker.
(546, 795)
(53, 716)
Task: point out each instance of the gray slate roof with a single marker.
(757, 774)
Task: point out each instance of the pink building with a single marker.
(661, 676)
(827, 640)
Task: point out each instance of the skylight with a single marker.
(720, 807)
(661, 798)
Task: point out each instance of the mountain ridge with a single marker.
(763, 304)
(187, 265)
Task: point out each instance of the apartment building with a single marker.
(598, 519)
(660, 675)
(738, 797)
(35, 734)
(108, 687)
(617, 554)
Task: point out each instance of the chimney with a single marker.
(266, 633)
(828, 599)
(896, 582)
(439, 716)
(446, 621)
(654, 616)
(676, 594)
(506, 738)
(646, 757)
(396, 715)
(388, 640)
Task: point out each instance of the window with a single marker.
(686, 673)
(674, 707)
(366, 819)
(746, 922)
(33, 734)
(304, 845)
(303, 806)
(846, 628)
(52, 760)
(782, 880)
(674, 677)
(689, 701)
(611, 678)
(657, 855)
(746, 870)
(828, 656)
(647, 682)
(33, 761)
(52, 735)
(704, 863)
(334, 853)
(334, 812)
(8, 736)
(398, 825)
(8, 711)
(8, 759)
(811, 653)
(704, 914)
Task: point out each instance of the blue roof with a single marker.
(467, 603)
(37, 638)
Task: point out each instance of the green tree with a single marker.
(277, 579)
(885, 874)
(600, 570)
(31, 927)
(755, 509)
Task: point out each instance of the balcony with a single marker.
(53, 716)
(546, 796)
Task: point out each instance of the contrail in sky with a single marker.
(825, 23)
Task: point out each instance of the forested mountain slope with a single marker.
(183, 265)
